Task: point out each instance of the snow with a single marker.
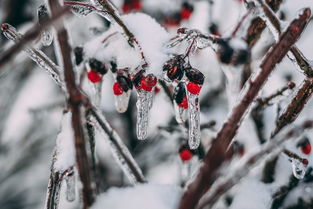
(65, 150)
(251, 194)
(140, 197)
(150, 35)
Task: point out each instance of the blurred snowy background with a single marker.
(31, 108)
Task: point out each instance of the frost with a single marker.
(70, 186)
(46, 37)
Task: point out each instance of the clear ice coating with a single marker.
(194, 121)
(70, 186)
(46, 37)
(298, 168)
(181, 114)
(81, 10)
(36, 55)
(122, 101)
(144, 103)
(121, 154)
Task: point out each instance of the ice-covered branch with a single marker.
(296, 105)
(217, 153)
(29, 36)
(275, 27)
(272, 147)
(75, 100)
(36, 55)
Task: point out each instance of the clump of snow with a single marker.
(251, 194)
(142, 196)
(150, 35)
(65, 151)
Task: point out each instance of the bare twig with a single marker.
(251, 162)
(217, 153)
(75, 101)
(29, 36)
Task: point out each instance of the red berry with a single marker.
(193, 88)
(148, 82)
(94, 76)
(117, 89)
(185, 14)
(126, 8)
(157, 90)
(306, 148)
(185, 155)
(184, 103)
(137, 5)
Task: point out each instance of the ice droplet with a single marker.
(194, 121)
(70, 186)
(298, 168)
(144, 103)
(46, 37)
(122, 101)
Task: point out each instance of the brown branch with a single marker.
(74, 101)
(29, 36)
(251, 162)
(296, 105)
(217, 153)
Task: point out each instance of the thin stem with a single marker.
(217, 153)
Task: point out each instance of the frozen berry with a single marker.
(137, 5)
(214, 29)
(241, 57)
(98, 66)
(179, 93)
(148, 82)
(94, 76)
(195, 76)
(157, 90)
(124, 82)
(193, 88)
(175, 67)
(184, 103)
(186, 10)
(225, 51)
(117, 89)
(306, 148)
(78, 52)
(185, 155)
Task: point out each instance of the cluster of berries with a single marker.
(175, 70)
(184, 14)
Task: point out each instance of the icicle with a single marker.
(46, 37)
(298, 168)
(194, 121)
(122, 101)
(70, 186)
(180, 114)
(144, 103)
